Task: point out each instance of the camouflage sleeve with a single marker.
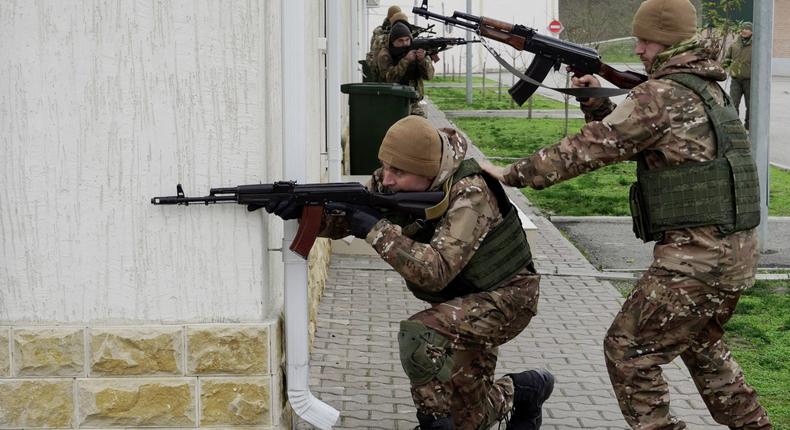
(634, 125)
(431, 266)
(598, 111)
(426, 68)
(388, 71)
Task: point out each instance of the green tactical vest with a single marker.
(503, 253)
(722, 192)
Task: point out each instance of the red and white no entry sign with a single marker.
(555, 27)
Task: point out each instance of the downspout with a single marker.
(294, 97)
(333, 105)
(356, 75)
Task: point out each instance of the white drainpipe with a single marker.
(295, 139)
(333, 105)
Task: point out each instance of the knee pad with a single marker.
(424, 353)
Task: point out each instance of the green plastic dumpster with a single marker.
(373, 108)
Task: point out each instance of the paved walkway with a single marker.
(355, 365)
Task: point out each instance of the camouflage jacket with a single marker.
(380, 35)
(738, 59)
(404, 72)
(667, 124)
(472, 213)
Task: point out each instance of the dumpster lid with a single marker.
(380, 88)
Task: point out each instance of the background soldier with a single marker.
(738, 60)
(471, 262)
(380, 32)
(379, 40)
(398, 63)
(696, 194)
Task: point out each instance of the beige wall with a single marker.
(782, 29)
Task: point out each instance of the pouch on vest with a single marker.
(722, 192)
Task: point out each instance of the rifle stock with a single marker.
(312, 198)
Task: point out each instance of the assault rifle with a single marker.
(433, 45)
(416, 30)
(313, 197)
(549, 53)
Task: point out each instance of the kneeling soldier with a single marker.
(471, 261)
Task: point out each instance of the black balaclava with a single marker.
(398, 30)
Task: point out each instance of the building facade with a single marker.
(118, 313)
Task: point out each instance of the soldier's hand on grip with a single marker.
(361, 219)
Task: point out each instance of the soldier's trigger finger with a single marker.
(334, 208)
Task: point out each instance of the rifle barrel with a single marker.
(424, 12)
(182, 200)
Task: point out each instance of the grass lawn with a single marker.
(621, 51)
(455, 99)
(779, 199)
(439, 79)
(759, 336)
(602, 192)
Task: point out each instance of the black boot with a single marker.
(429, 422)
(532, 388)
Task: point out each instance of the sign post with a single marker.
(556, 27)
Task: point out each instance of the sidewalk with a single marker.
(355, 364)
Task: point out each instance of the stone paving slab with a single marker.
(355, 366)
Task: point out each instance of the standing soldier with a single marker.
(471, 261)
(696, 195)
(738, 61)
(377, 41)
(382, 30)
(398, 63)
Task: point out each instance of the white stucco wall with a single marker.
(107, 104)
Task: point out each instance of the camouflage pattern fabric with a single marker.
(405, 72)
(476, 323)
(377, 41)
(379, 37)
(738, 59)
(697, 274)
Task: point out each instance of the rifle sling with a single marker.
(577, 92)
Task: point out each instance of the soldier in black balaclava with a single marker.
(399, 63)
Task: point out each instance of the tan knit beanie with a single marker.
(413, 145)
(392, 11)
(400, 16)
(665, 21)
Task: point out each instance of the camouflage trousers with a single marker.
(741, 88)
(476, 325)
(670, 314)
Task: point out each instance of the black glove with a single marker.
(361, 219)
(285, 209)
